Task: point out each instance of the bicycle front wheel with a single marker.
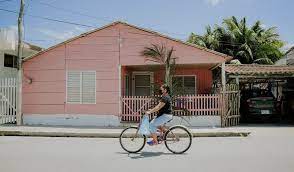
(131, 141)
(178, 139)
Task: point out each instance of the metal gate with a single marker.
(8, 100)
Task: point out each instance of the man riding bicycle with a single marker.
(164, 115)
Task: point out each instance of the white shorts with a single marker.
(159, 121)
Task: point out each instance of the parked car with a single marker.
(261, 109)
(259, 106)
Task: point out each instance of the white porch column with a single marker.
(119, 87)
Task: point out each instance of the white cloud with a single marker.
(64, 35)
(214, 2)
(57, 35)
(263, 26)
(81, 29)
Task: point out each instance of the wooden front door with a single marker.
(142, 83)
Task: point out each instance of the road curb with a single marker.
(111, 135)
(222, 134)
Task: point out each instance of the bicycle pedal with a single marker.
(159, 139)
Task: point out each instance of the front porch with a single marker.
(194, 97)
(145, 80)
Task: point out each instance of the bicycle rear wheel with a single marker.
(178, 139)
(131, 141)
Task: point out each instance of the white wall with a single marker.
(110, 120)
(290, 57)
(71, 120)
(7, 71)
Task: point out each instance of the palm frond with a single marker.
(263, 61)
(155, 52)
(169, 55)
(247, 49)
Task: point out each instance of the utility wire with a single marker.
(5, 1)
(51, 19)
(73, 11)
(98, 18)
(84, 25)
(94, 17)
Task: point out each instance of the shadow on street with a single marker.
(147, 154)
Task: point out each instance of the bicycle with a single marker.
(177, 139)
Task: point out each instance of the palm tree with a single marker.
(162, 55)
(208, 40)
(268, 49)
(241, 36)
(253, 44)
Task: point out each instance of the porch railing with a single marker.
(188, 105)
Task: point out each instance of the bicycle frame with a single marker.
(162, 133)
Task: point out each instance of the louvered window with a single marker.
(81, 87)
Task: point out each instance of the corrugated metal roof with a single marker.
(255, 69)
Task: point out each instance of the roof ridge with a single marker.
(227, 57)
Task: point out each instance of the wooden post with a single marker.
(237, 81)
(223, 77)
(224, 107)
(19, 54)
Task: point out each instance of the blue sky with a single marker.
(176, 18)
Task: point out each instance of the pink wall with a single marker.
(99, 51)
(47, 93)
(134, 40)
(203, 78)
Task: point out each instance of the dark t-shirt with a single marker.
(166, 109)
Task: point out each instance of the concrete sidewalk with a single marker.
(57, 131)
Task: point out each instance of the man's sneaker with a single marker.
(151, 143)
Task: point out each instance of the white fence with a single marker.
(8, 100)
(195, 105)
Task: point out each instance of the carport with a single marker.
(267, 92)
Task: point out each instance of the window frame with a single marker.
(195, 77)
(14, 60)
(151, 74)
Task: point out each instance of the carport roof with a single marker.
(259, 70)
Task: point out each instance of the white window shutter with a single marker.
(73, 87)
(89, 87)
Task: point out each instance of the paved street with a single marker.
(267, 149)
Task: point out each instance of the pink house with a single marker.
(83, 80)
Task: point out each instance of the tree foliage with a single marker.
(248, 44)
